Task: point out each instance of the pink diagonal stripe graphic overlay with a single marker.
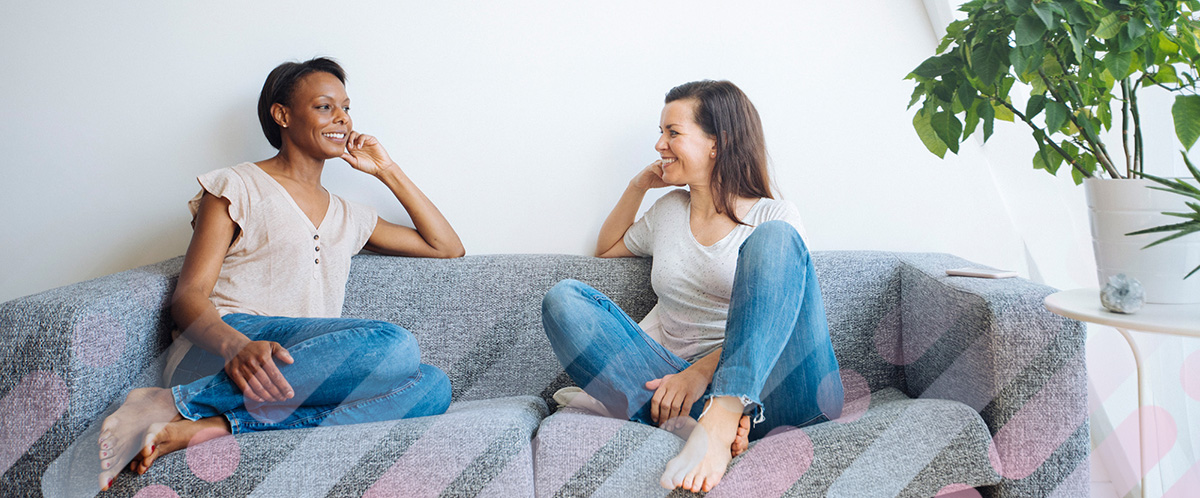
(1190, 376)
(99, 340)
(770, 468)
(213, 459)
(1122, 446)
(957, 491)
(431, 463)
(1188, 485)
(156, 491)
(1038, 428)
(573, 453)
(855, 390)
(27, 412)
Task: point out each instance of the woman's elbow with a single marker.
(452, 252)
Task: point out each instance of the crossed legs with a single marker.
(345, 371)
(777, 349)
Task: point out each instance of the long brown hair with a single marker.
(726, 114)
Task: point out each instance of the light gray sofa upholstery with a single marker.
(954, 382)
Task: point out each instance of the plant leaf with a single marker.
(1075, 14)
(1109, 27)
(1118, 64)
(986, 61)
(921, 122)
(1186, 112)
(948, 128)
(936, 66)
(1044, 12)
(972, 119)
(966, 94)
(1017, 7)
(1029, 30)
(1003, 113)
(987, 114)
(1153, 11)
(1056, 116)
(1191, 167)
(1173, 236)
(1035, 106)
(1135, 27)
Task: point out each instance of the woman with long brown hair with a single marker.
(739, 324)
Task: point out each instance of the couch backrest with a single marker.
(478, 318)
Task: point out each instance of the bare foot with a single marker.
(162, 439)
(709, 449)
(741, 442)
(123, 432)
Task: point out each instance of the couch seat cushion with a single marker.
(477, 448)
(897, 447)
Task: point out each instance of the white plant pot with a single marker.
(1118, 207)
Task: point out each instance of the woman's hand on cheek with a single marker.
(674, 395)
(366, 154)
(650, 177)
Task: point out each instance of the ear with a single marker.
(280, 114)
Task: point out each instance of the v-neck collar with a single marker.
(292, 201)
(722, 240)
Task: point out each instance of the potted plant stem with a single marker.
(1078, 59)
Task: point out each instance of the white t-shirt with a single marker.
(693, 282)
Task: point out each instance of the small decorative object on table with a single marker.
(1123, 294)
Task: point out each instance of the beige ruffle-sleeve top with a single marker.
(280, 264)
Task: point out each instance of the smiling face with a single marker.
(686, 150)
(317, 120)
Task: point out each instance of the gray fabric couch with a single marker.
(952, 383)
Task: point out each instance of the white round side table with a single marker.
(1173, 319)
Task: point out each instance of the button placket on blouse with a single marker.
(317, 259)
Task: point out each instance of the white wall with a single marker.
(522, 120)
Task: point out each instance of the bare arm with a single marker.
(249, 363)
(432, 237)
(611, 242)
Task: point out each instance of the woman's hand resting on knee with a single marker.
(253, 370)
(674, 395)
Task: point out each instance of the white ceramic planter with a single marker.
(1118, 207)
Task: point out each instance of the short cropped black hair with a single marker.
(279, 87)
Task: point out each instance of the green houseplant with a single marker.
(1082, 62)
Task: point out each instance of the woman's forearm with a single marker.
(429, 223)
(708, 364)
(620, 219)
(199, 322)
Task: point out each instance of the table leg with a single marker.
(1137, 361)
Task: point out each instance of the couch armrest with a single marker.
(991, 344)
(68, 353)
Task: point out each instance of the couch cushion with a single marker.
(477, 448)
(479, 318)
(861, 290)
(898, 447)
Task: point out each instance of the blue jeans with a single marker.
(777, 357)
(346, 371)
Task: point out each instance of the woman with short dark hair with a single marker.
(262, 287)
(739, 323)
